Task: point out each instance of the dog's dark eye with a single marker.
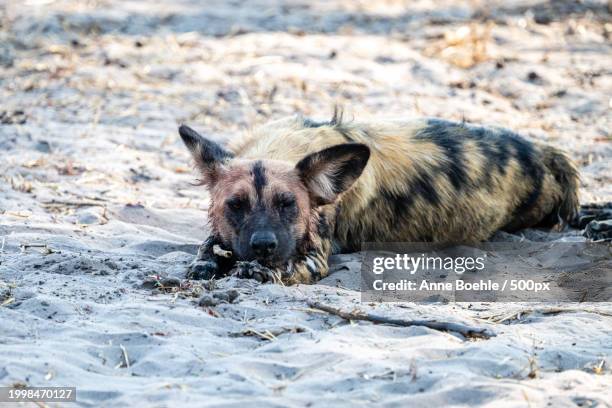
(237, 204)
(285, 201)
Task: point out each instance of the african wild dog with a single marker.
(294, 191)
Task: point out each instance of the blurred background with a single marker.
(92, 91)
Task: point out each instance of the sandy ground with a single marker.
(96, 201)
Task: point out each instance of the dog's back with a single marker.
(431, 180)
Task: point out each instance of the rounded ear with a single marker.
(207, 155)
(331, 171)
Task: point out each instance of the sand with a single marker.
(96, 200)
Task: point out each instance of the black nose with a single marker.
(263, 243)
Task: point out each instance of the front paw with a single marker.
(599, 230)
(253, 270)
(203, 270)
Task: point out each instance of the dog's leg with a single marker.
(313, 266)
(208, 265)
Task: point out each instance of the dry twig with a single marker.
(467, 331)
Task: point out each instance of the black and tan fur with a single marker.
(425, 180)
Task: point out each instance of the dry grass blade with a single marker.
(7, 301)
(599, 368)
(72, 203)
(268, 334)
(45, 250)
(126, 360)
(502, 318)
(265, 335)
(464, 47)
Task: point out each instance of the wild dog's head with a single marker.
(263, 208)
